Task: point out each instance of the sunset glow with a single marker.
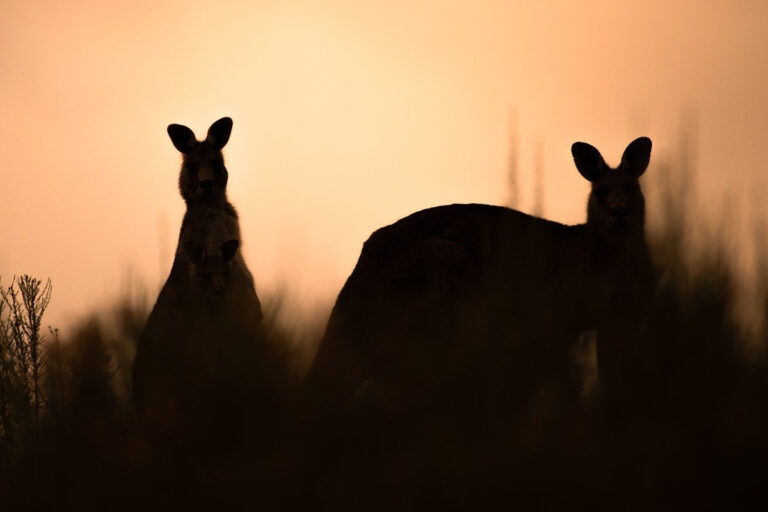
(347, 116)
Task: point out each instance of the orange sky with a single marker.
(347, 116)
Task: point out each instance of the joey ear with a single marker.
(588, 160)
(229, 249)
(636, 156)
(194, 251)
(182, 137)
(218, 133)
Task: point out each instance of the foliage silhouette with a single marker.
(22, 361)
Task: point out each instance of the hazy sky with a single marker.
(347, 116)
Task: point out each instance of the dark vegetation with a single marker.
(689, 432)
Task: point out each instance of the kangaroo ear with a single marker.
(218, 133)
(182, 137)
(636, 156)
(588, 160)
(194, 251)
(228, 249)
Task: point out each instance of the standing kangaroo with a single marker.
(203, 177)
(472, 293)
(203, 323)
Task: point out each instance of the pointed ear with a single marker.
(636, 156)
(229, 249)
(218, 133)
(182, 137)
(588, 160)
(194, 251)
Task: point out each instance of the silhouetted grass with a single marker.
(689, 429)
(86, 449)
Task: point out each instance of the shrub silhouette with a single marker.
(22, 361)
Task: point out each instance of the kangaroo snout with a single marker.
(205, 177)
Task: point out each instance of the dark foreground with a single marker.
(689, 430)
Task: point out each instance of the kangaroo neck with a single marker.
(217, 202)
(597, 268)
(613, 249)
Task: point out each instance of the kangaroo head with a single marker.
(616, 205)
(210, 268)
(203, 175)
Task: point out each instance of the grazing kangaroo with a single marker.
(459, 297)
(207, 313)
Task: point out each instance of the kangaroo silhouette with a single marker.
(459, 294)
(203, 177)
(191, 351)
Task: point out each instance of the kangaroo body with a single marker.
(193, 350)
(460, 298)
(193, 354)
